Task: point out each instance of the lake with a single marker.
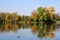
(38, 31)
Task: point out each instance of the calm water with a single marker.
(30, 32)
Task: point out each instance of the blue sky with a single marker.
(25, 7)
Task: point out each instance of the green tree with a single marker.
(42, 14)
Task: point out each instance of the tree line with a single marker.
(42, 14)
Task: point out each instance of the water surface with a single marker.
(30, 32)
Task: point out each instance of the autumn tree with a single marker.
(34, 16)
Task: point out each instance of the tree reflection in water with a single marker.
(41, 29)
